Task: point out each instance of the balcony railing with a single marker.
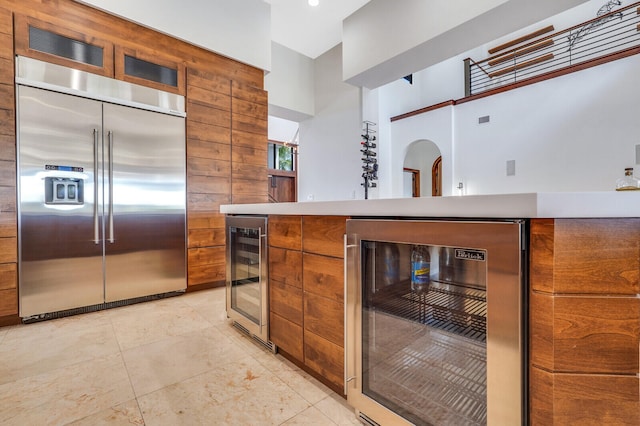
(614, 33)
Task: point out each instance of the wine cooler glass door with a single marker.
(246, 274)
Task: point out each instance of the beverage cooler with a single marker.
(247, 292)
(435, 315)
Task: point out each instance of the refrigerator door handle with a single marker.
(96, 227)
(111, 239)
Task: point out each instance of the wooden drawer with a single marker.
(326, 359)
(324, 318)
(286, 301)
(285, 232)
(324, 235)
(285, 266)
(286, 335)
(323, 276)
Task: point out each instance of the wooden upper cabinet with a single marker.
(150, 69)
(62, 46)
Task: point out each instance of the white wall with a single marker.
(290, 84)
(329, 154)
(573, 133)
(239, 29)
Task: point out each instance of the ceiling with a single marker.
(310, 30)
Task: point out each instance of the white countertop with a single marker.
(529, 205)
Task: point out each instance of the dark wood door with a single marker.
(282, 189)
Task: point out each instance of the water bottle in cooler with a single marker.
(420, 268)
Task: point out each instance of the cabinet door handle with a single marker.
(96, 226)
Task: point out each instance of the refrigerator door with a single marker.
(61, 250)
(145, 203)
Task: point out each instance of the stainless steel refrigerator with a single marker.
(101, 191)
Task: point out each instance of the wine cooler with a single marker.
(247, 290)
(434, 317)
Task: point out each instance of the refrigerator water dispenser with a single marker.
(59, 190)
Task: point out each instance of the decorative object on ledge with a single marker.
(604, 11)
(369, 160)
(536, 56)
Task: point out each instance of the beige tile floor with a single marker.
(175, 361)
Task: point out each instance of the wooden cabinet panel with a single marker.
(6, 21)
(153, 57)
(6, 73)
(22, 24)
(8, 173)
(251, 109)
(323, 276)
(208, 115)
(211, 82)
(540, 397)
(205, 220)
(209, 184)
(595, 256)
(249, 186)
(8, 276)
(250, 124)
(248, 155)
(251, 171)
(209, 98)
(596, 400)
(8, 302)
(285, 301)
(324, 318)
(6, 101)
(7, 148)
(324, 234)
(326, 359)
(7, 199)
(597, 335)
(249, 93)
(541, 330)
(8, 223)
(6, 46)
(285, 231)
(208, 167)
(206, 237)
(208, 150)
(250, 140)
(285, 266)
(541, 257)
(249, 198)
(207, 203)
(286, 335)
(8, 250)
(208, 133)
(206, 265)
(7, 123)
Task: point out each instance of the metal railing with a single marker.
(608, 34)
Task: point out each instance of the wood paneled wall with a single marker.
(226, 127)
(584, 319)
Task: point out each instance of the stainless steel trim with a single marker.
(96, 227)
(111, 236)
(44, 75)
(264, 290)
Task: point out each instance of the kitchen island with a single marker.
(583, 291)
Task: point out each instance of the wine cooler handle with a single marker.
(349, 375)
(96, 226)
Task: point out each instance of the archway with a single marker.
(422, 170)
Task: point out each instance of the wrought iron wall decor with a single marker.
(369, 158)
